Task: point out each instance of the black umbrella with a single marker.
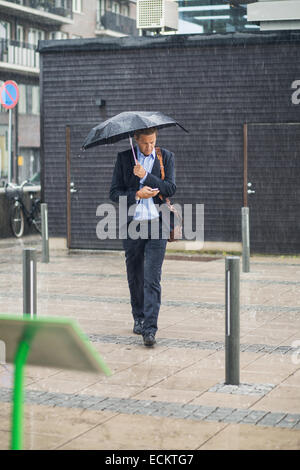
(124, 125)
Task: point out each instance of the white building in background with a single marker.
(22, 24)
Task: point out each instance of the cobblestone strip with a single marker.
(190, 344)
(159, 408)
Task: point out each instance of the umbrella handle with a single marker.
(132, 148)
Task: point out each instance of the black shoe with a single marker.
(149, 340)
(138, 327)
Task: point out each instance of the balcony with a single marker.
(114, 24)
(40, 11)
(19, 57)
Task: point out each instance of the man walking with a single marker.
(142, 184)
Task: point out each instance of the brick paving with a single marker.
(178, 384)
(157, 408)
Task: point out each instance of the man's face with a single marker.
(146, 143)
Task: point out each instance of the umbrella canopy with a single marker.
(124, 125)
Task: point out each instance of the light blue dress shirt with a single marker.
(146, 209)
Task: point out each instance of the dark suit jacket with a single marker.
(125, 183)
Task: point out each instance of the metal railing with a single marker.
(116, 22)
(50, 6)
(19, 53)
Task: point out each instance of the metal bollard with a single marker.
(2, 353)
(29, 282)
(232, 318)
(45, 237)
(246, 239)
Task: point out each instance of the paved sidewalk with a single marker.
(171, 396)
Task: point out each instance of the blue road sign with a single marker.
(9, 94)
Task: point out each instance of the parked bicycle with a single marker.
(19, 211)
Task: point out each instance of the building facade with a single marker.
(238, 95)
(22, 24)
(214, 16)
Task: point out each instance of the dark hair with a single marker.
(148, 131)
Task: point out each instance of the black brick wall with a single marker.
(211, 85)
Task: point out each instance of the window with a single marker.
(61, 4)
(29, 100)
(31, 163)
(125, 10)
(35, 100)
(35, 35)
(22, 104)
(58, 35)
(77, 6)
(101, 7)
(206, 17)
(20, 34)
(115, 7)
(3, 151)
(4, 30)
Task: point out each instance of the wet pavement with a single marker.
(171, 396)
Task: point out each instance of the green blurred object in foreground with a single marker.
(47, 342)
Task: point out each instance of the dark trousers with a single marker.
(144, 259)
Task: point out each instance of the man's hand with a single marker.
(146, 192)
(139, 171)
